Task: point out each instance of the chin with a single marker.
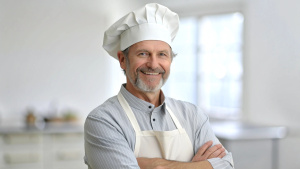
(147, 88)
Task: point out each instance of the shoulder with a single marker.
(110, 113)
(108, 108)
(186, 110)
(181, 105)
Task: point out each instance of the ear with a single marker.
(122, 60)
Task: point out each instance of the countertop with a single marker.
(45, 128)
(247, 131)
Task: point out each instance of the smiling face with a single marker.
(148, 65)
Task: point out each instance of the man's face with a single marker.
(149, 65)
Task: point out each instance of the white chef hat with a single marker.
(151, 22)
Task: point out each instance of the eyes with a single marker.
(143, 54)
(147, 54)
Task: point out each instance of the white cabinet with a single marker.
(21, 151)
(250, 154)
(48, 149)
(66, 150)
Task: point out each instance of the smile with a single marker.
(151, 73)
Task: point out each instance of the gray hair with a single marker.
(126, 51)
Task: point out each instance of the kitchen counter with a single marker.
(48, 146)
(247, 131)
(46, 128)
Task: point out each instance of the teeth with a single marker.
(148, 73)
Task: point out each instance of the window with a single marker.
(208, 70)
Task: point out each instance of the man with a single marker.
(140, 127)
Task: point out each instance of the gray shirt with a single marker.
(110, 138)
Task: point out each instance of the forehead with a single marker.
(152, 45)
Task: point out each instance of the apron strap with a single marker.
(175, 120)
(133, 121)
(129, 113)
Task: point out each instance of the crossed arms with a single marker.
(199, 161)
(109, 143)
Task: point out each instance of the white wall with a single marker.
(272, 69)
(51, 55)
(272, 62)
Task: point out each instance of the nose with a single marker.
(152, 62)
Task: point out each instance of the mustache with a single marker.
(150, 70)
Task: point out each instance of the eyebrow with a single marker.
(145, 50)
(165, 51)
(142, 50)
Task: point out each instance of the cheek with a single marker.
(167, 67)
(133, 68)
(137, 65)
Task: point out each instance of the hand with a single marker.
(206, 152)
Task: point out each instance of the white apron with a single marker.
(170, 145)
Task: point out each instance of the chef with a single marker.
(140, 127)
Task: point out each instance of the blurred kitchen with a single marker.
(237, 59)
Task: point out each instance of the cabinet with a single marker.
(252, 146)
(52, 148)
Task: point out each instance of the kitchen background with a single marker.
(53, 68)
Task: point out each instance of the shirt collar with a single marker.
(140, 104)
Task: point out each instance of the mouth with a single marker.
(150, 73)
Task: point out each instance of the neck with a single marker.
(151, 97)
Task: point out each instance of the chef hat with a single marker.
(151, 22)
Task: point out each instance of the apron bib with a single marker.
(170, 145)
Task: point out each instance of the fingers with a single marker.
(218, 153)
(204, 148)
(222, 155)
(213, 149)
(206, 152)
(199, 156)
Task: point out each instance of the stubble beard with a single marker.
(141, 85)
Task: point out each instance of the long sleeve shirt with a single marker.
(110, 137)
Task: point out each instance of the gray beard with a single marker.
(138, 83)
(145, 88)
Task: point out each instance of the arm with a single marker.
(205, 133)
(198, 162)
(158, 163)
(106, 146)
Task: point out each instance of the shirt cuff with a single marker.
(218, 163)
